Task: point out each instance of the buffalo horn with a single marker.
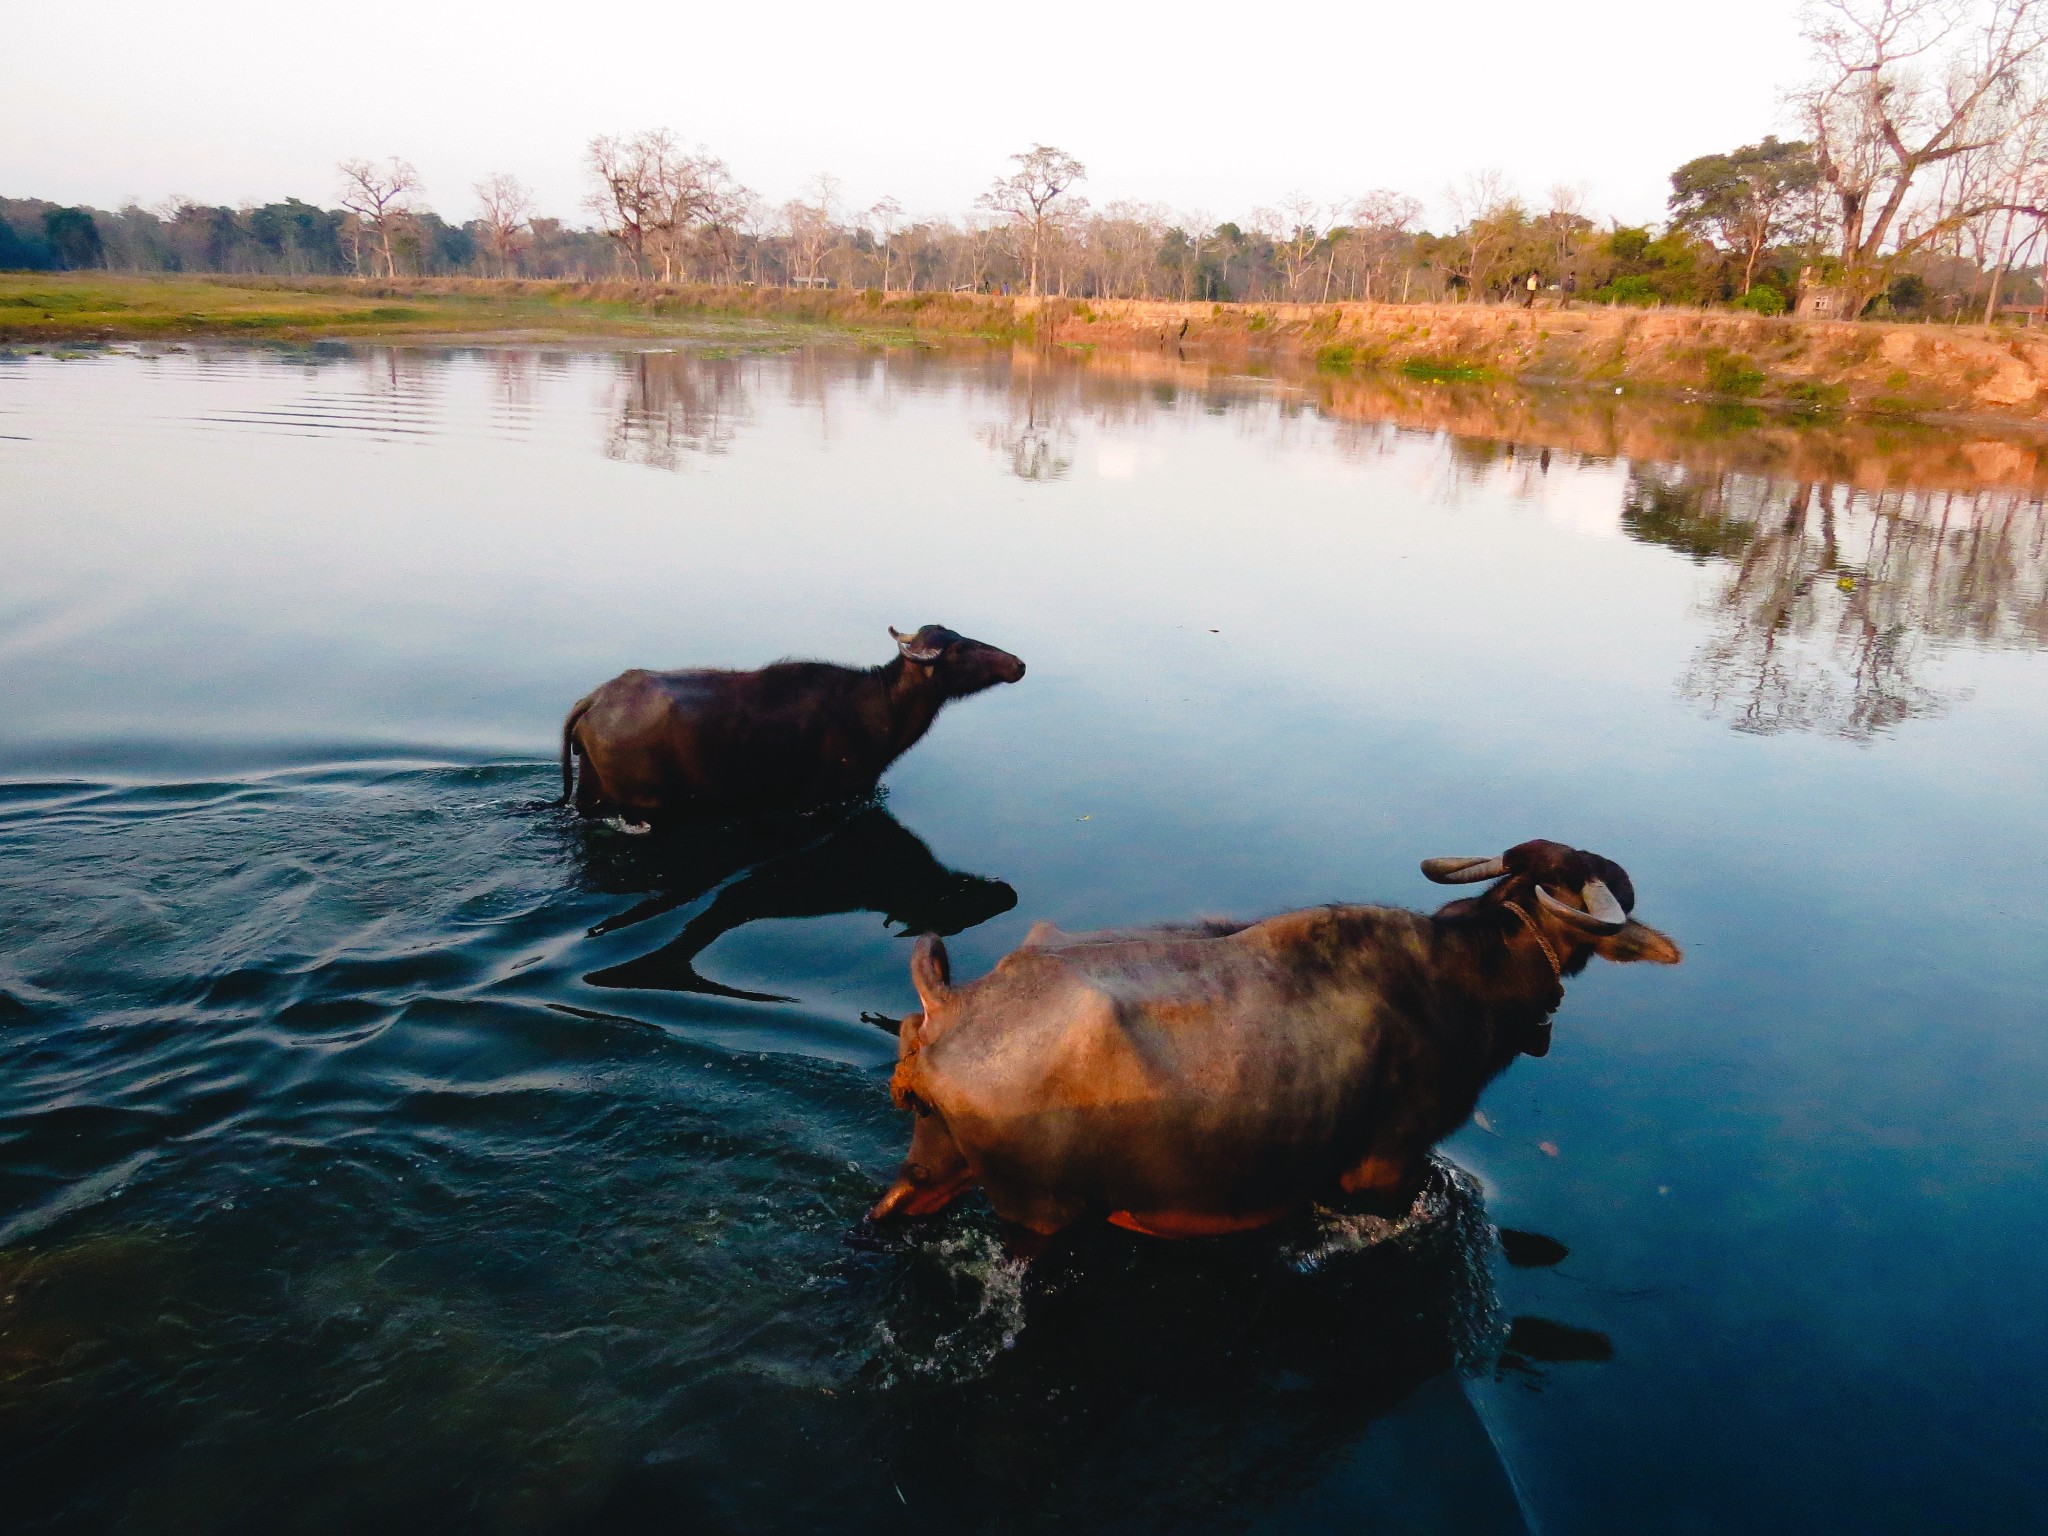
(914, 652)
(1603, 913)
(1463, 871)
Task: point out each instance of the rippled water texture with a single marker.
(377, 1144)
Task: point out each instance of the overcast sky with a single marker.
(1213, 108)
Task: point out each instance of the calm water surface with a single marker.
(377, 1144)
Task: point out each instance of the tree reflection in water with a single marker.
(1837, 600)
(1035, 436)
(669, 405)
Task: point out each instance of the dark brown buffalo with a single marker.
(1188, 1081)
(788, 737)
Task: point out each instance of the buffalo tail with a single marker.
(568, 750)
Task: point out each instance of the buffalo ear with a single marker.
(1636, 941)
(910, 648)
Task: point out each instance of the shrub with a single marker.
(1633, 289)
(1819, 397)
(24, 253)
(1730, 374)
(1763, 301)
(74, 236)
(1907, 294)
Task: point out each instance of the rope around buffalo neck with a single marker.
(1528, 922)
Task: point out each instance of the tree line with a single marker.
(1917, 187)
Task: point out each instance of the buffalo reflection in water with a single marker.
(1836, 601)
(858, 860)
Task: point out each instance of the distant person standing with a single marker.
(1529, 302)
(1571, 286)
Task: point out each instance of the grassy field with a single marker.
(73, 307)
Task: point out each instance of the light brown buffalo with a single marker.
(1209, 1079)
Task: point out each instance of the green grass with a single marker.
(1815, 397)
(1446, 370)
(1346, 357)
(42, 307)
(93, 305)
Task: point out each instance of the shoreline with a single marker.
(1948, 375)
(1654, 413)
(1958, 375)
(1967, 373)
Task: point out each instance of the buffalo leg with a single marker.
(591, 799)
(1028, 1243)
(1391, 1183)
(1182, 1224)
(933, 1176)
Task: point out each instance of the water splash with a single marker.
(1446, 1228)
(959, 1304)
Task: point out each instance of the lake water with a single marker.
(377, 1143)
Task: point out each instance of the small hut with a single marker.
(1819, 301)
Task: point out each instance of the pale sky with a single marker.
(1207, 108)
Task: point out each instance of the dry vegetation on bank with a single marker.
(1907, 370)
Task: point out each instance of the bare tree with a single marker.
(381, 197)
(973, 254)
(1184, 241)
(811, 229)
(656, 198)
(1905, 86)
(1489, 216)
(2018, 172)
(1121, 249)
(885, 215)
(730, 211)
(751, 220)
(690, 191)
(1029, 195)
(1565, 226)
(628, 195)
(505, 209)
(1381, 223)
(1295, 230)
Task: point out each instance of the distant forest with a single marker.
(1918, 190)
(286, 239)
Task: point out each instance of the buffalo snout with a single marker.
(973, 666)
